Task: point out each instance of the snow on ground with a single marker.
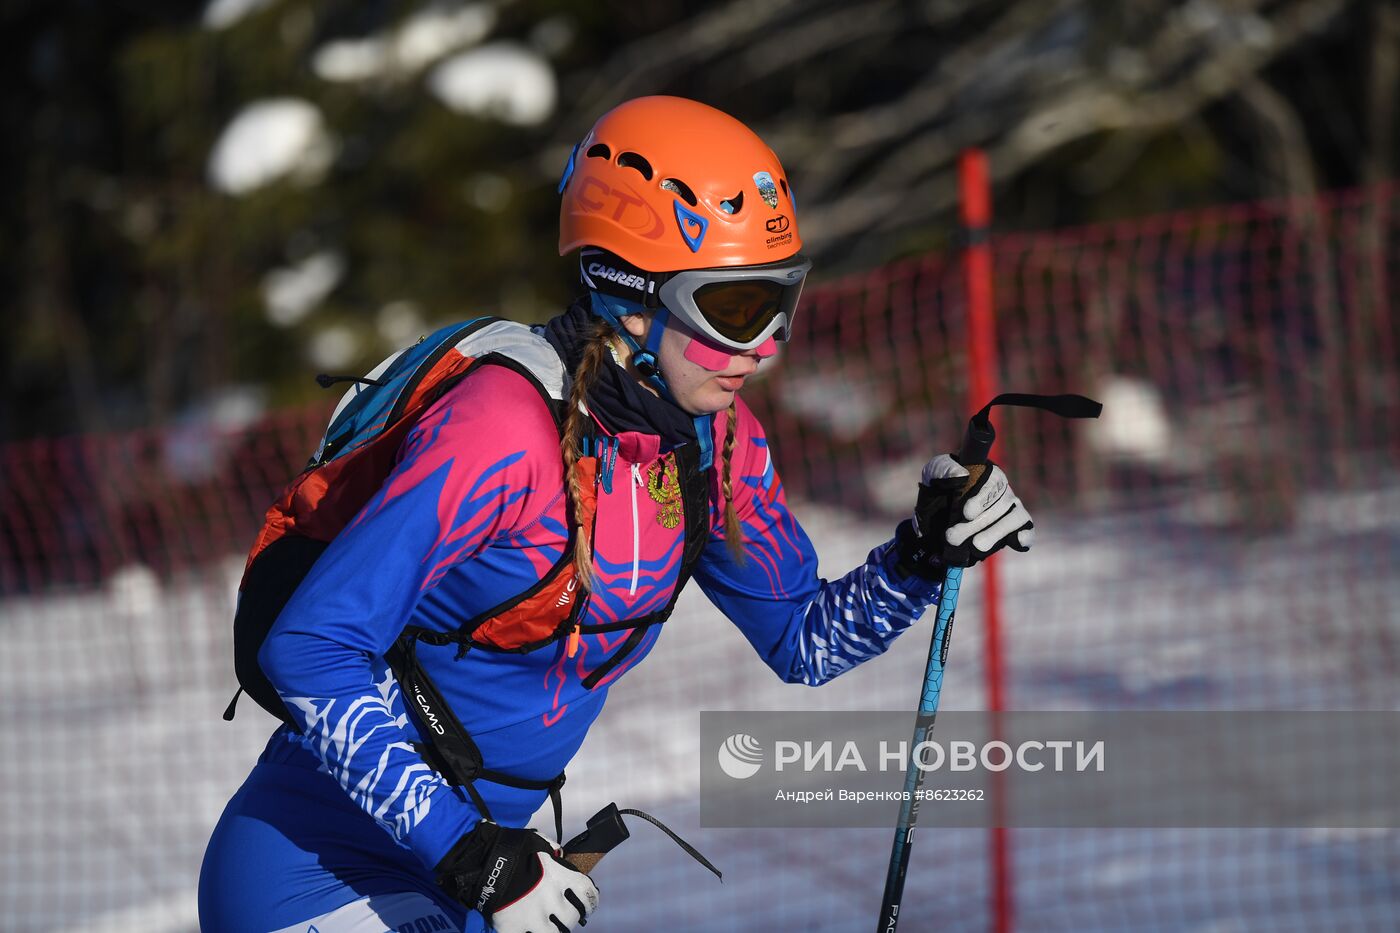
(116, 762)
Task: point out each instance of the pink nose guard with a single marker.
(716, 358)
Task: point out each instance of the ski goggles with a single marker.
(738, 307)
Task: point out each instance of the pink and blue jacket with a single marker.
(473, 513)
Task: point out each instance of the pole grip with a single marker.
(584, 861)
(977, 442)
(604, 833)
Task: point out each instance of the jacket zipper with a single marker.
(636, 530)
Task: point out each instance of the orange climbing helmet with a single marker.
(669, 184)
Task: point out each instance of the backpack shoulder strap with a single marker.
(520, 348)
(404, 382)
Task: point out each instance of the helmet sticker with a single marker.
(767, 189)
(687, 219)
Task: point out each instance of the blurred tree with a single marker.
(420, 144)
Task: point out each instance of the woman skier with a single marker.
(444, 658)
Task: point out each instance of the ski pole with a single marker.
(976, 447)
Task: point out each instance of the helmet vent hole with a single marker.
(681, 189)
(781, 181)
(733, 205)
(599, 151)
(633, 160)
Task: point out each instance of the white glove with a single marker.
(953, 527)
(552, 905)
(991, 515)
(517, 880)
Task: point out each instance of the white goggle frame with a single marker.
(677, 295)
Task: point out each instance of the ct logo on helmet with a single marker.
(629, 209)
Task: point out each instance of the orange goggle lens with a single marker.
(741, 310)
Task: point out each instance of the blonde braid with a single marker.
(571, 442)
(733, 531)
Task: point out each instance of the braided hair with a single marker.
(724, 465)
(595, 351)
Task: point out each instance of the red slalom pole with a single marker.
(974, 186)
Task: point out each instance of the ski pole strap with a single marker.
(977, 442)
(687, 847)
(1066, 406)
(606, 831)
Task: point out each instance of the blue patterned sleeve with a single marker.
(459, 482)
(807, 629)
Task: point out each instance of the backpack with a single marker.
(351, 462)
